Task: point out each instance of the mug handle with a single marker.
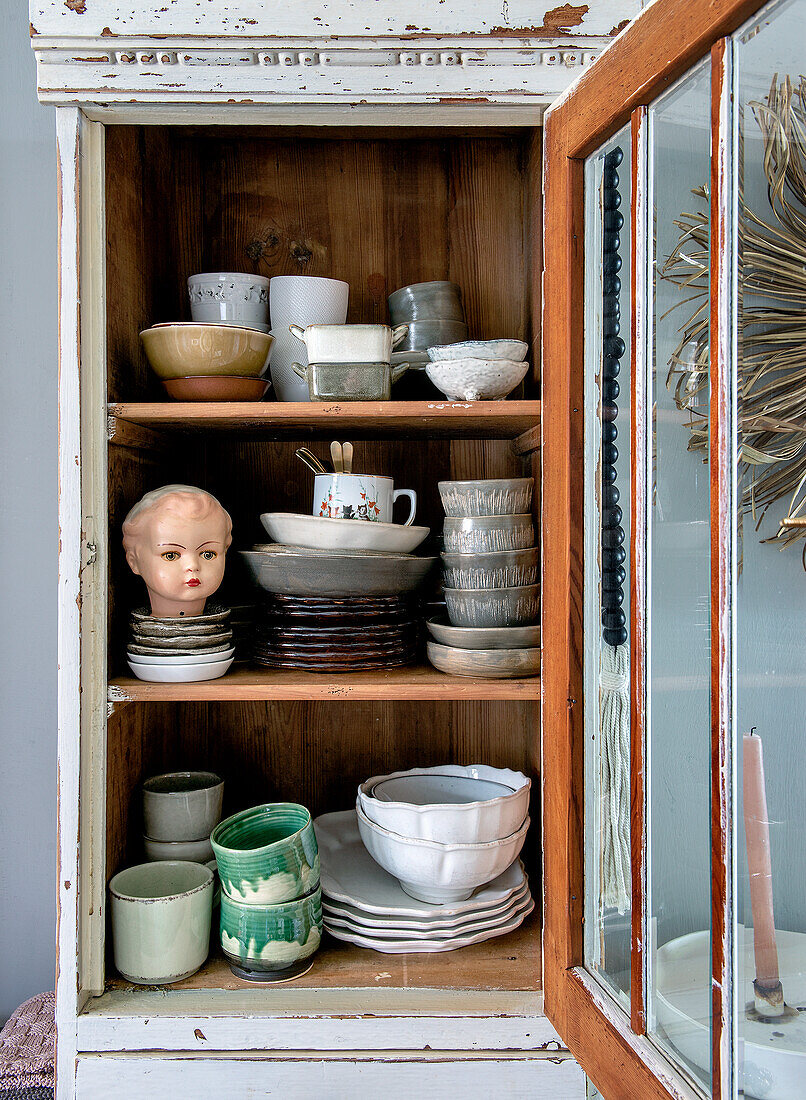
(398, 333)
(410, 493)
(399, 371)
(300, 370)
(295, 330)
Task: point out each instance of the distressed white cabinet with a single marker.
(377, 142)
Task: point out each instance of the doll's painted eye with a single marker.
(209, 555)
(170, 555)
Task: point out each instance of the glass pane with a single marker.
(607, 438)
(770, 596)
(678, 584)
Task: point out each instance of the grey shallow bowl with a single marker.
(164, 631)
(424, 334)
(491, 664)
(484, 637)
(514, 350)
(493, 606)
(213, 613)
(484, 534)
(294, 571)
(138, 650)
(498, 496)
(434, 301)
(185, 641)
(500, 569)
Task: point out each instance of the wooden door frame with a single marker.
(659, 47)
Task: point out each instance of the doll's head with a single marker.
(176, 539)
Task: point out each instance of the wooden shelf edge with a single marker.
(483, 419)
(418, 683)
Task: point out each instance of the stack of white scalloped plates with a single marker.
(364, 905)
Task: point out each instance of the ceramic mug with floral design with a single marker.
(359, 496)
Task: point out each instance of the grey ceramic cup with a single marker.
(182, 805)
(161, 920)
(425, 334)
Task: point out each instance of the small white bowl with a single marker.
(514, 350)
(451, 804)
(180, 674)
(476, 379)
(194, 851)
(435, 872)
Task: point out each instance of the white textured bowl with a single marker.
(476, 379)
(170, 673)
(518, 606)
(513, 350)
(430, 871)
(449, 804)
(194, 851)
(497, 496)
(486, 534)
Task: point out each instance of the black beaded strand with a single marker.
(614, 575)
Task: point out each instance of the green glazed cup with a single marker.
(271, 939)
(267, 855)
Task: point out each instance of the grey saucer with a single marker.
(214, 612)
(160, 629)
(484, 637)
(189, 641)
(175, 651)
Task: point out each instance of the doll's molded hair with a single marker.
(203, 504)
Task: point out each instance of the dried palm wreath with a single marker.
(772, 344)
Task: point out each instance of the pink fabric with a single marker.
(28, 1044)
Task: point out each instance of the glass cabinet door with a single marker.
(674, 563)
(769, 597)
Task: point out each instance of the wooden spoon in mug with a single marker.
(347, 449)
(336, 455)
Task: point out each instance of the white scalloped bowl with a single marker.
(430, 871)
(451, 804)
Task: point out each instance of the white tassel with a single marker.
(615, 776)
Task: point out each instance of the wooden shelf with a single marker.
(251, 684)
(319, 420)
(506, 963)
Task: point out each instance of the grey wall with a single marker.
(28, 521)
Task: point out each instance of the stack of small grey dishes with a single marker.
(180, 650)
(434, 314)
(492, 594)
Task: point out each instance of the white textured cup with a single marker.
(359, 496)
(300, 300)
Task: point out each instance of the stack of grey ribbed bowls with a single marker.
(491, 585)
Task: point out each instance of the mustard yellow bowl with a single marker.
(179, 350)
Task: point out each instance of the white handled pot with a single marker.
(349, 343)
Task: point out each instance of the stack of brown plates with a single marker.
(336, 635)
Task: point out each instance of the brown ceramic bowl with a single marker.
(188, 350)
(215, 388)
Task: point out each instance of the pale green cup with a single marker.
(161, 920)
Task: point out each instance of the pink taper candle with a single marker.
(757, 831)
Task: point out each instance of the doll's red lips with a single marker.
(193, 583)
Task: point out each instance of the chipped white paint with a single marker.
(349, 53)
(69, 991)
(519, 73)
(312, 18)
(289, 1018)
(396, 1077)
